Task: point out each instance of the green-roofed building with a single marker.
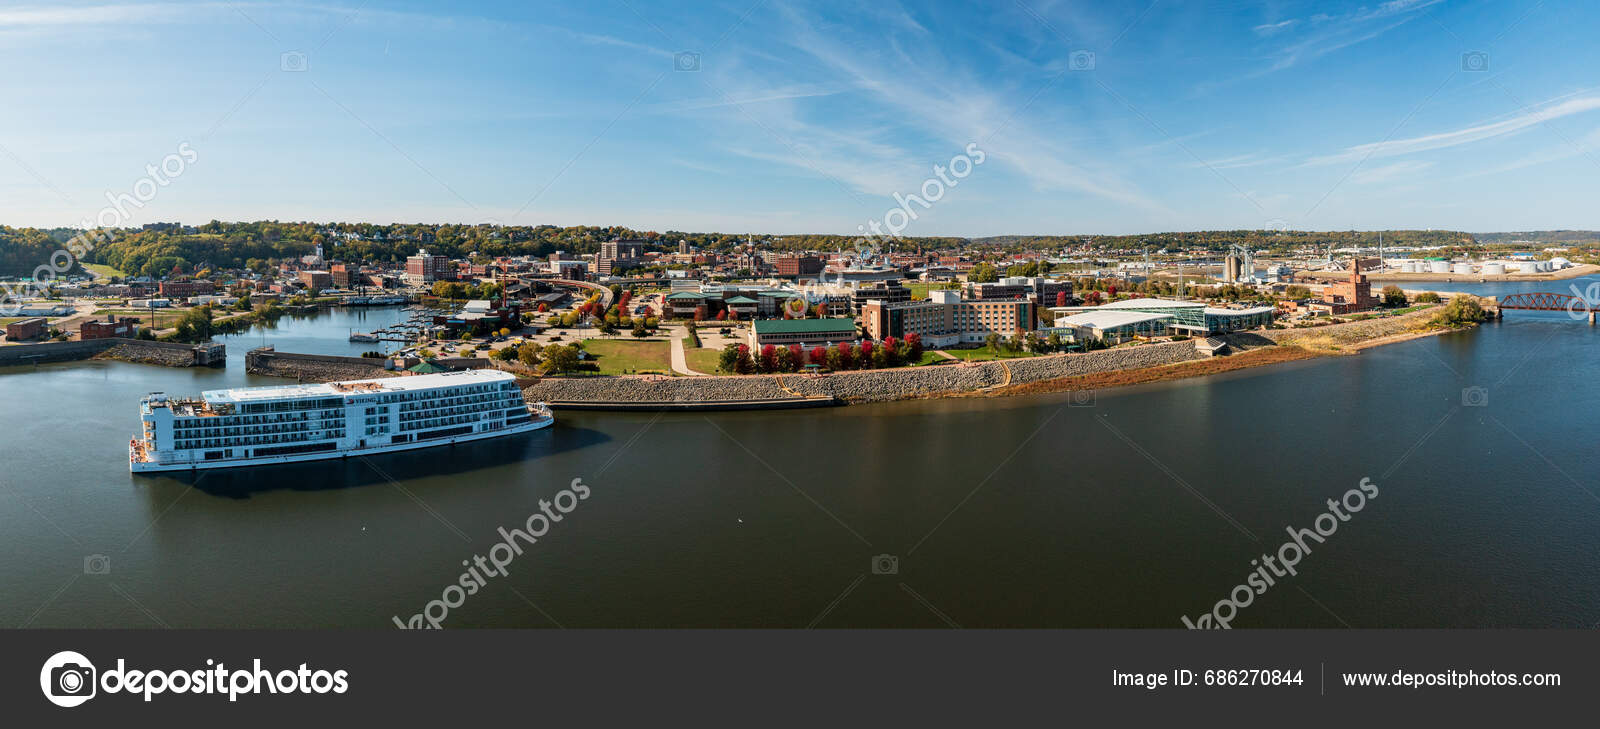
(426, 367)
(684, 303)
(805, 332)
(744, 306)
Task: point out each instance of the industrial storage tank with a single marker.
(1528, 267)
(1438, 266)
(1463, 267)
(1494, 269)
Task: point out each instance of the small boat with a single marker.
(363, 337)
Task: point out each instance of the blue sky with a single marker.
(809, 116)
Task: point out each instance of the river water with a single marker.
(1133, 508)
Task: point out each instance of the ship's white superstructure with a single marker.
(265, 425)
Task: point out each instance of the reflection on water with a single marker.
(438, 462)
(326, 331)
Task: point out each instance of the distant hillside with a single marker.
(1565, 237)
(1220, 239)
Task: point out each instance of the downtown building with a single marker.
(619, 255)
(425, 268)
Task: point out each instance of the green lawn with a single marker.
(920, 290)
(103, 271)
(928, 357)
(983, 354)
(703, 360)
(619, 356)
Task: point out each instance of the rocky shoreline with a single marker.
(858, 386)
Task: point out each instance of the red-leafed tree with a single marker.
(1092, 298)
(1061, 298)
(864, 355)
(818, 356)
(914, 340)
(1111, 290)
(769, 358)
(797, 357)
(847, 355)
(722, 314)
(700, 313)
(821, 311)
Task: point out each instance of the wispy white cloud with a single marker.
(909, 80)
(1252, 159)
(59, 16)
(1274, 28)
(784, 93)
(1386, 173)
(1587, 146)
(1322, 34)
(44, 19)
(1468, 135)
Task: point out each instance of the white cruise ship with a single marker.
(264, 425)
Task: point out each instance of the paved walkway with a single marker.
(680, 362)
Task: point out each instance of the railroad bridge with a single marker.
(1575, 306)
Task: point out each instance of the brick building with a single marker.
(24, 329)
(426, 268)
(316, 280)
(1352, 294)
(342, 275)
(793, 266)
(126, 328)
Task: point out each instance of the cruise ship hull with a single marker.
(138, 466)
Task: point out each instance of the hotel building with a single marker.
(946, 320)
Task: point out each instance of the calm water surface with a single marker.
(1143, 506)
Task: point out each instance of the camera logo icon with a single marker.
(68, 679)
(1081, 399)
(886, 564)
(1474, 397)
(97, 564)
(1474, 61)
(293, 62)
(1081, 61)
(686, 61)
